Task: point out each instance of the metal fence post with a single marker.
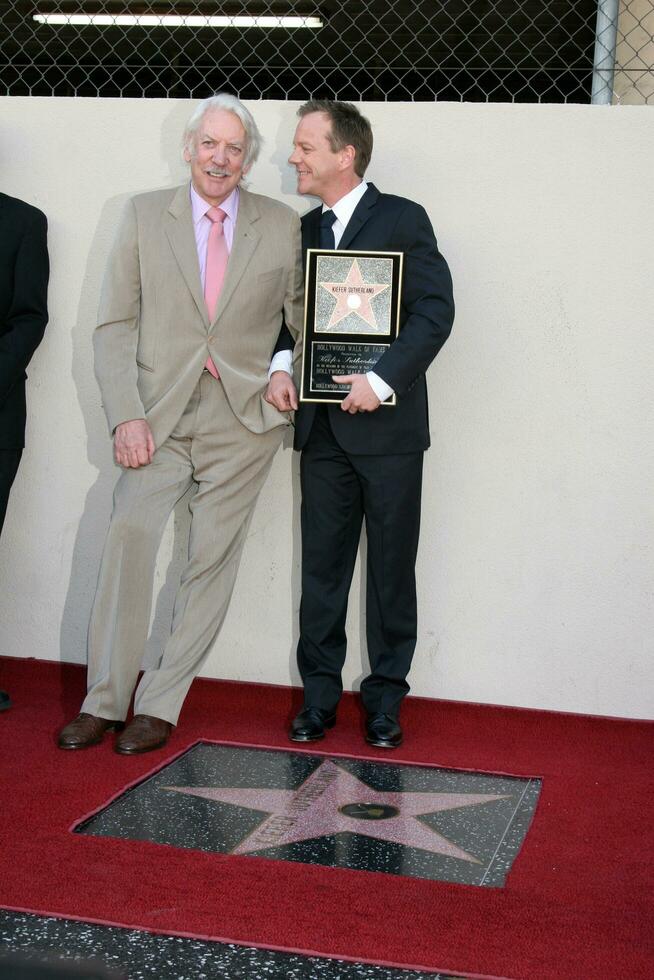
(606, 33)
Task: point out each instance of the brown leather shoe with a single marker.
(143, 734)
(85, 730)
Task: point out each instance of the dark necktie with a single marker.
(326, 239)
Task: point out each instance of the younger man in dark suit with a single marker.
(24, 271)
(359, 461)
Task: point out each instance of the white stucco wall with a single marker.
(535, 568)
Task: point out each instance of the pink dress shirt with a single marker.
(202, 225)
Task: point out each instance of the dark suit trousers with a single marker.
(9, 460)
(339, 491)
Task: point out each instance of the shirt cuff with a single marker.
(378, 385)
(282, 361)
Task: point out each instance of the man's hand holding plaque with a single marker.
(361, 397)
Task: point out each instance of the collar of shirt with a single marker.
(202, 225)
(344, 209)
(199, 208)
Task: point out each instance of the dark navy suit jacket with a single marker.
(24, 272)
(385, 222)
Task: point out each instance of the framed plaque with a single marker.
(351, 316)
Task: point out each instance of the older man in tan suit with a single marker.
(198, 284)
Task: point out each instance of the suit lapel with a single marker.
(311, 229)
(246, 240)
(178, 224)
(361, 215)
(179, 230)
(362, 212)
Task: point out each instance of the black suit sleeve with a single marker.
(284, 341)
(28, 312)
(427, 301)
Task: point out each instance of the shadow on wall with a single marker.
(279, 158)
(97, 506)
(91, 532)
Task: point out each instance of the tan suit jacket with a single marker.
(153, 335)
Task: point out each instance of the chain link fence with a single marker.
(633, 81)
(377, 50)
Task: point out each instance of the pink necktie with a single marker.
(217, 256)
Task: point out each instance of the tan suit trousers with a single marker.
(211, 448)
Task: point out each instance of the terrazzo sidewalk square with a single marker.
(68, 947)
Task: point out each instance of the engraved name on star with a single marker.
(331, 800)
(353, 296)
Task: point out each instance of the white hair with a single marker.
(223, 100)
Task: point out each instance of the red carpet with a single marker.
(578, 902)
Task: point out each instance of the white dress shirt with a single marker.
(343, 209)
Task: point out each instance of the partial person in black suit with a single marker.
(359, 461)
(24, 272)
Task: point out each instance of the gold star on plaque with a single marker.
(353, 296)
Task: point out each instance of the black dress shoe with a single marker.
(383, 731)
(310, 724)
